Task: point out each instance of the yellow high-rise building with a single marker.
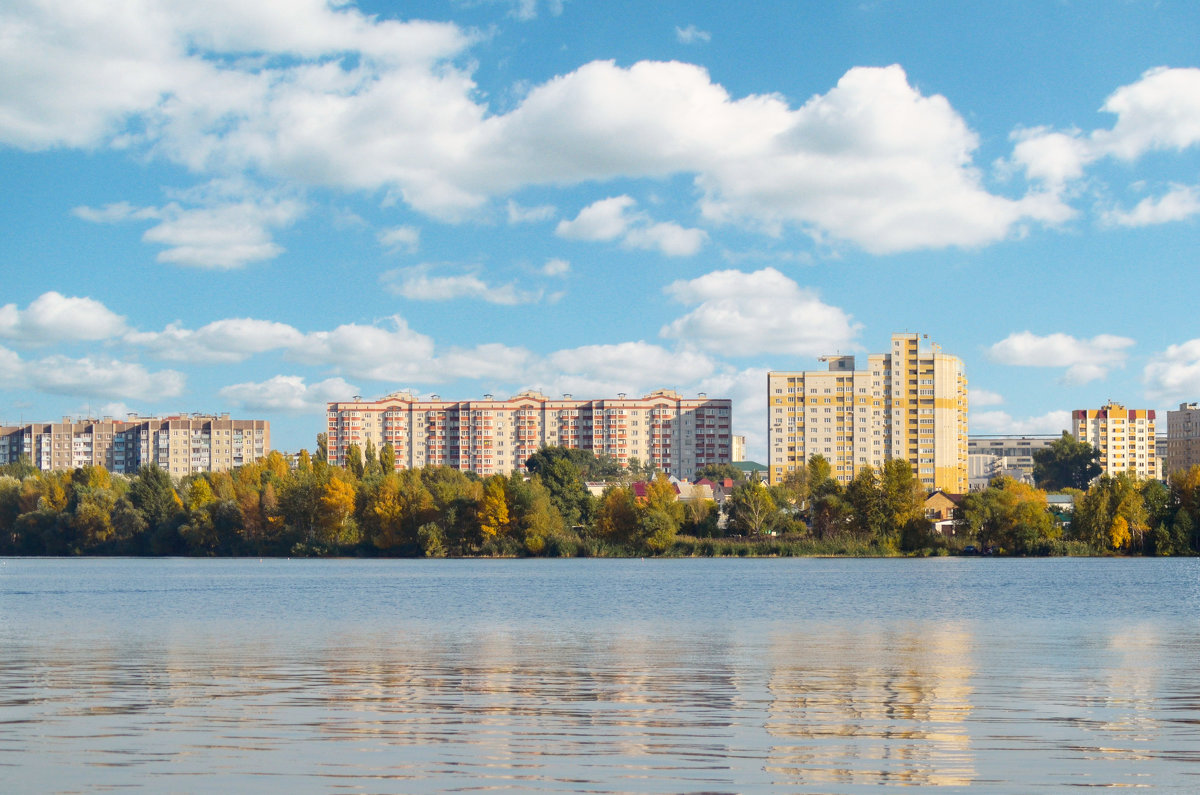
(909, 403)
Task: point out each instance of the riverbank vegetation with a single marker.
(272, 509)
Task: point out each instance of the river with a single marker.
(589, 676)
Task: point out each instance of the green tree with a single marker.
(718, 472)
(750, 509)
(354, 461)
(1067, 463)
(387, 458)
(371, 467)
(568, 493)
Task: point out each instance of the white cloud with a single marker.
(1161, 111)
(1084, 360)
(528, 215)
(692, 35)
(1177, 204)
(228, 340)
(419, 283)
(605, 219)
(670, 238)
(289, 394)
(222, 235)
(743, 314)
(984, 397)
(100, 378)
(335, 98)
(1001, 422)
(1174, 374)
(622, 367)
(370, 352)
(401, 238)
(556, 267)
(609, 219)
(53, 317)
(483, 362)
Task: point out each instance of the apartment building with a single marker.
(180, 444)
(1124, 438)
(909, 403)
(1183, 439)
(490, 436)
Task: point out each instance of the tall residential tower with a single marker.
(909, 403)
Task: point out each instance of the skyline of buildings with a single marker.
(903, 402)
(909, 403)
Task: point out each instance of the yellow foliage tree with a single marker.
(493, 508)
(1119, 534)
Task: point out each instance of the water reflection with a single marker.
(391, 703)
(868, 706)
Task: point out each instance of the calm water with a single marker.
(599, 675)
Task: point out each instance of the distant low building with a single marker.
(990, 457)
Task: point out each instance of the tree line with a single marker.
(367, 508)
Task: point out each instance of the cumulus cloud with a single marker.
(398, 354)
(53, 317)
(420, 283)
(334, 98)
(1174, 374)
(622, 367)
(556, 267)
(227, 340)
(692, 35)
(1084, 360)
(288, 394)
(744, 314)
(1001, 422)
(605, 219)
(221, 236)
(1177, 204)
(401, 238)
(611, 218)
(1161, 111)
(91, 377)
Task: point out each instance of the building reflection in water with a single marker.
(855, 706)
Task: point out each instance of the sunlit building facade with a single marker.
(1123, 437)
(909, 403)
(489, 436)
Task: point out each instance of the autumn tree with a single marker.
(1010, 515)
(493, 509)
(618, 519)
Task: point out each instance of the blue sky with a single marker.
(260, 207)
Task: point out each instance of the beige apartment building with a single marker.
(909, 403)
(490, 436)
(1183, 439)
(180, 444)
(1123, 437)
